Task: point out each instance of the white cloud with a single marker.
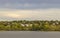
(42, 14)
(13, 15)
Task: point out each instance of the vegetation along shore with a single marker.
(24, 25)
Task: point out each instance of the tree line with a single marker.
(24, 25)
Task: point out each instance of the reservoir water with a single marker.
(29, 34)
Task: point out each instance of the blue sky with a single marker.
(29, 4)
(29, 9)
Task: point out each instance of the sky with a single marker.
(29, 9)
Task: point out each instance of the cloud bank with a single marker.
(35, 14)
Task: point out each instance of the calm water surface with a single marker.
(28, 34)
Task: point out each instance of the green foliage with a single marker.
(24, 25)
